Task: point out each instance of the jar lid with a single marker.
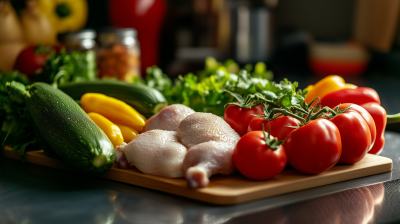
(112, 35)
(76, 36)
(122, 32)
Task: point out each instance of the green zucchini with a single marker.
(66, 128)
(42, 142)
(146, 100)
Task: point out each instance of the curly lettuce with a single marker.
(207, 91)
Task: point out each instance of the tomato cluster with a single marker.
(313, 142)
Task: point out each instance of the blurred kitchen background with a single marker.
(302, 40)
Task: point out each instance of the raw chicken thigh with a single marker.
(202, 146)
(210, 141)
(156, 152)
(169, 118)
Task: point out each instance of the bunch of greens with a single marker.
(68, 67)
(208, 91)
(16, 130)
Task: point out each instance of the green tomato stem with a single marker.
(323, 110)
(286, 113)
(274, 143)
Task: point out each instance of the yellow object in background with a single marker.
(112, 131)
(113, 109)
(128, 133)
(327, 85)
(12, 40)
(37, 27)
(65, 15)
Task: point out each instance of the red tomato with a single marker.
(279, 126)
(33, 58)
(354, 134)
(314, 147)
(255, 159)
(239, 118)
(367, 117)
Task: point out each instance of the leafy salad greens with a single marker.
(14, 117)
(68, 67)
(208, 91)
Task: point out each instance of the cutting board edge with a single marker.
(378, 169)
(205, 194)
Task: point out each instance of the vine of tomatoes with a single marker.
(315, 139)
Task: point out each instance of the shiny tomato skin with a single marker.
(239, 118)
(255, 159)
(279, 126)
(28, 61)
(314, 147)
(354, 134)
(367, 117)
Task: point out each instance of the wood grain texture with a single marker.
(232, 189)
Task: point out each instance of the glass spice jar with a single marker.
(83, 40)
(118, 54)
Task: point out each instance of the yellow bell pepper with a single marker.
(128, 133)
(327, 85)
(113, 109)
(111, 130)
(65, 15)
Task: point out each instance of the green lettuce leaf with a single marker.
(206, 92)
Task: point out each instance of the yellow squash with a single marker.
(113, 109)
(128, 133)
(111, 130)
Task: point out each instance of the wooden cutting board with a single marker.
(232, 189)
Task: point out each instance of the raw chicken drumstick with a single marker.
(210, 141)
(167, 119)
(156, 152)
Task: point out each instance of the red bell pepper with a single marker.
(147, 18)
(357, 96)
(368, 98)
(378, 113)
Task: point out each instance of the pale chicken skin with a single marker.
(156, 152)
(210, 141)
(168, 118)
(201, 147)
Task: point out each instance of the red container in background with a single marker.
(146, 17)
(346, 59)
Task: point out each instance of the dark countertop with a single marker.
(36, 194)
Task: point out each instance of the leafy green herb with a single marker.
(68, 67)
(207, 92)
(16, 130)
